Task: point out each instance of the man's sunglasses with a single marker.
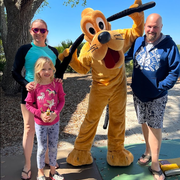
(36, 30)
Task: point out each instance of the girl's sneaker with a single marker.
(56, 176)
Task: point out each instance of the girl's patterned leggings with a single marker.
(44, 134)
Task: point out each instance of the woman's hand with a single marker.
(30, 86)
(59, 80)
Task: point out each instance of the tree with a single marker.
(14, 31)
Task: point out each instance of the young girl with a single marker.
(46, 102)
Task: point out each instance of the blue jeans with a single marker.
(42, 133)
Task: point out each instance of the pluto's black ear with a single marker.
(76, 44)
(67, 59)
(129, 11)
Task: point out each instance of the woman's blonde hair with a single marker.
(39, 20)
(39, 66)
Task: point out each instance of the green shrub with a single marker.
(2, 63)
(178, 47)
(67, 44)
(129, 68)
(2, 57)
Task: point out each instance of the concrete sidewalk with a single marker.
(11, 168)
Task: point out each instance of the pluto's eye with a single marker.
(90, 28)
(100, 23)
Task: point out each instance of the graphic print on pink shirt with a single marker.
(50, 96)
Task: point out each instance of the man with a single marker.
(156, 69)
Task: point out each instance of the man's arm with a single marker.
(174, 70)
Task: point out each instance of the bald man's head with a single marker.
(153, 27)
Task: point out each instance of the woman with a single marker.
(27, 56)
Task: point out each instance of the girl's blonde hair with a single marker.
(39, 66)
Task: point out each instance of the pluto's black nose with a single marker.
(104, 37)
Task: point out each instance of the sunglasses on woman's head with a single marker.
(36, 30)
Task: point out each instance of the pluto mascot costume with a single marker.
(103, 53)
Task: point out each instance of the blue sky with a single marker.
(64, 22)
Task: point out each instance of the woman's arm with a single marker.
(19, 64)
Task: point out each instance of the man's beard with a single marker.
(151, 36)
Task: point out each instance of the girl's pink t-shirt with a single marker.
(43, 97)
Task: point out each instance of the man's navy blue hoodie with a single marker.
(152, 78)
